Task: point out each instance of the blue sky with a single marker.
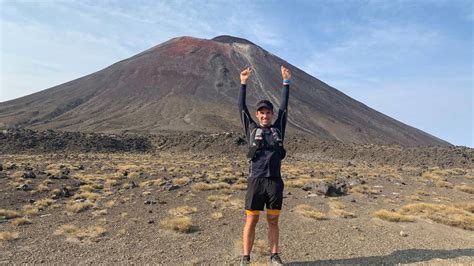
(411, 60)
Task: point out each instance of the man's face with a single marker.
(264, 116)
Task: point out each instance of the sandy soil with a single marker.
(129, 195)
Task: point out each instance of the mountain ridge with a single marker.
(188, 83)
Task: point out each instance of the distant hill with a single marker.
(191, 84)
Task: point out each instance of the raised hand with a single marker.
(285, 73)
(244, 75)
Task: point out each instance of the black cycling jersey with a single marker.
(267, 161)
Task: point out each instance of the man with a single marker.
(264, 185)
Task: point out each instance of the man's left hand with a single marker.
(285, 73)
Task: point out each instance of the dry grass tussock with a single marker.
(422, 193)
(91, 187)
(73, 207)
(465, 188)
(240, 186)
(151, 183)
(216, 198)
(109, 204)
(457, 215)
(99, 212)
(297, 183)
(334, 204)
(235, 204)
(181, 181)
(8, 236)
(217, 215)
(29, 210)
(467, 206)
(87, 196)
(453, 215)
(75, 233)
(43, 188)
(435, 174)
(213, 186)
(178, 224)
(182, 210)
(111, 183)
(225, 201)
(43, 203)
(338, 208)
(310, 212)
(443, 184)
(392, 216)
(364, 189)
(21, 221)
(8, 214)
(344, 213)
(414, 198)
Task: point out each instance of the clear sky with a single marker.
(411, 60)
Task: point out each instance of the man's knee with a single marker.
(272, 219)
(252, 219)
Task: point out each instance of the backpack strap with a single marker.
(256, 141)
(278, 142)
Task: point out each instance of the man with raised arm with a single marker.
(265, 152)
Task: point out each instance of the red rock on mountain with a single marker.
(190, 84)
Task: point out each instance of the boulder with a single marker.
(331, 188)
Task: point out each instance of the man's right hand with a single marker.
(244, 75)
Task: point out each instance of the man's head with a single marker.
(264, 113)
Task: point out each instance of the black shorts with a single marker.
(264, 191)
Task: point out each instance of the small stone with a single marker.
(24, 187)
(403, 234)
(151, 221)
(12, 167)
(170, 186)
(289, 193)
(65, 171)
(133, 184)
(150, 211)
(355, 228)
(29, 174)
(65, 192)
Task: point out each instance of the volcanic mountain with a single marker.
(191, 84)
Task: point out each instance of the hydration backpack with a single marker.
(257, 142)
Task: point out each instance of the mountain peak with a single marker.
(191, 84)
(231, 39)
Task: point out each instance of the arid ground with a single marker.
(187, 208)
